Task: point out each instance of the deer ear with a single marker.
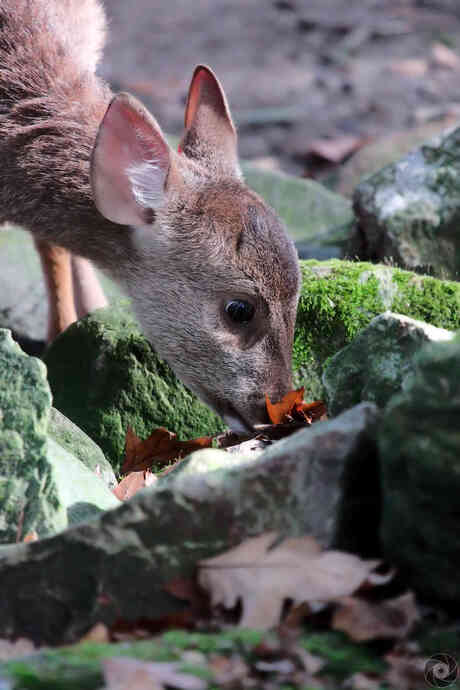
(130, 163)
(210, 135)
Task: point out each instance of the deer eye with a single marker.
(239, 310)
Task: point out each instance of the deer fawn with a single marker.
(212, 275)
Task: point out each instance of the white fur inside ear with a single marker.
(147, 182)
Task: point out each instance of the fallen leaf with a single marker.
(263, 577)
(277, 412)
(132, 483)
(442, 56)
(121, 673)
(30, 536)
(363, 681)
(363, 620)
(158, 449)
(292, 407)
(98, 633)
(335, 150)
(406, 672)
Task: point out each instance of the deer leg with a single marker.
(88, 293)
(56, 265)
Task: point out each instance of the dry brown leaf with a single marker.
(363, 620)
(98, 633)
(263, 578)
(337, 149)
(15, 650)
(132, 483)
(121, 673)
(158, 449)
(363, 681)
(30, 536)
(292, 406)
(406, 672)
(442, 56)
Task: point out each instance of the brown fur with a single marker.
(202, 238)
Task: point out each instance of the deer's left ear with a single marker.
(210, 135)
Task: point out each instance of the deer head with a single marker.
(213, 276)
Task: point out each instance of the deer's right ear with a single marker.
(130, 163)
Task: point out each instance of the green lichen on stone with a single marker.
(339, 298)
(105, 377)
(419, 444)
(28, 496)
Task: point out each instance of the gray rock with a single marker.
(409, 211)
(105, 377)
(378, 363)
(420, 455)
(74, 440)
(322, 481)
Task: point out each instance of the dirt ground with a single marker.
(294, 70)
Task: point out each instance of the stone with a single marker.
(378, 363)
(385, 150)
(105, 377)
(323, 481)
(74, 440)
(419, 445)
(81, 492)
(28, 494)
(317, 219)
(43, 487)
(340, 298)
(23, 298)
(408, 212)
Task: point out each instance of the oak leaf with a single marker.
(292, 406)
(131, 484)
(158, 449)
(263, 577)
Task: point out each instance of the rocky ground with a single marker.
(295, 71)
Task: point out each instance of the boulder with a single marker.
(105, 377)
(420, 456)
(28, 493)
(409, 211)
(75, 441)
(378, 363)
(318, 220)
(340, 298)
(322, 481)
(43, 487)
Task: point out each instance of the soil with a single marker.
(294, 70)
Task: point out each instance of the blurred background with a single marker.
(323, 89)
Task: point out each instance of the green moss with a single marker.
(343, 657)
(105, 377)
(339, 298)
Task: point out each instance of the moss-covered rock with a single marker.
(420, 455)
(340, 298)
(321, 481)
(105, 377)
(378, 363)
(410, 210)
(28, 494)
